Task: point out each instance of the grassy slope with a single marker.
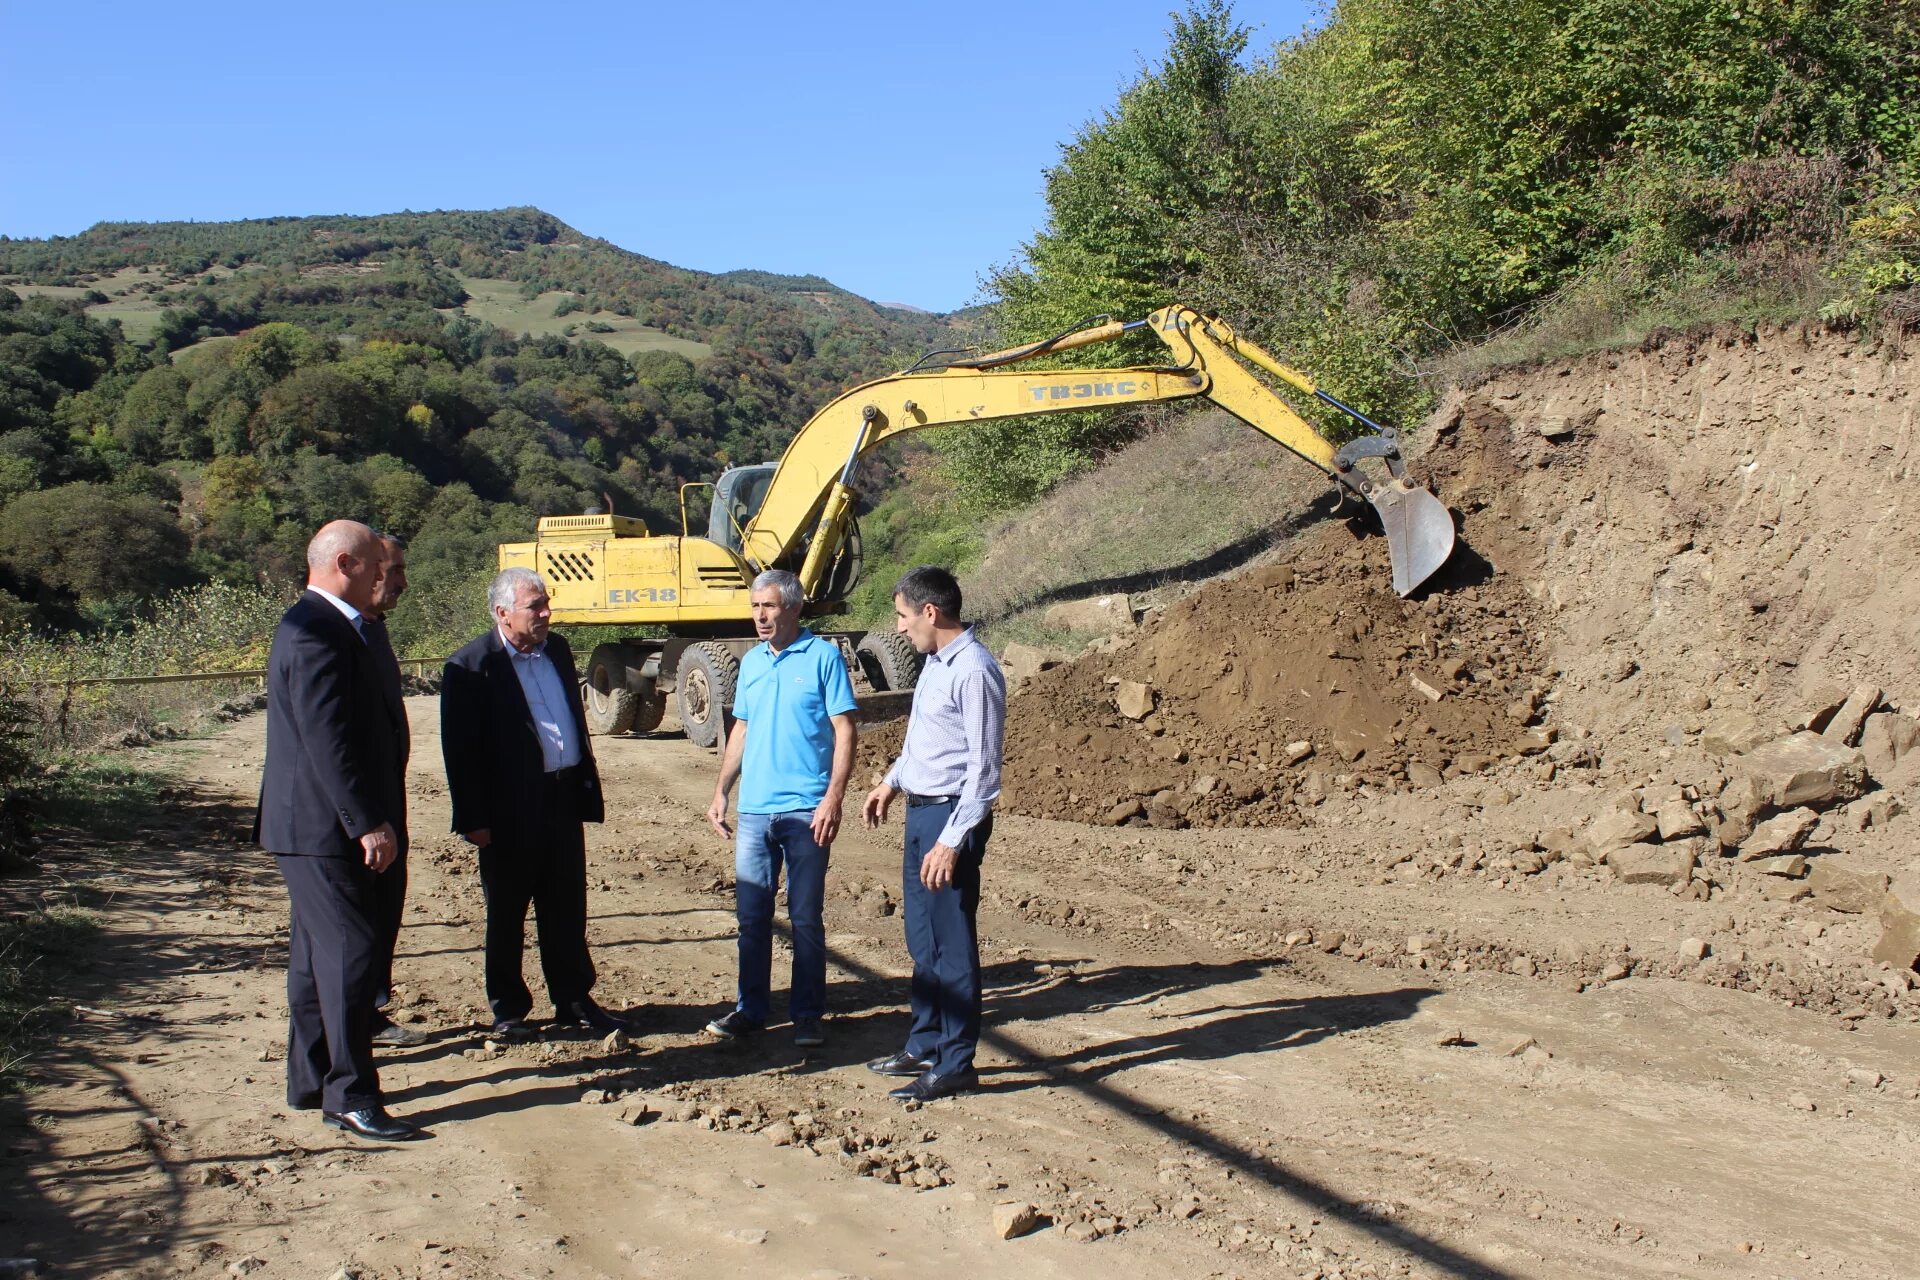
(500, 303)
(1200, 496)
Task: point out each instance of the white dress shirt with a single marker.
(549, 701)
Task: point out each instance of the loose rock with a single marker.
(1886, 738)
(1133, 699)
(1806, 768)
(1779, 835)
(1839, 887)
(1852, 715)
(1653, 863)
(1013, 1219)
(1101, 615)
(1899, 943)
(1617, 828)
(1790, 865)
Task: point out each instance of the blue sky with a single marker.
(897, 150)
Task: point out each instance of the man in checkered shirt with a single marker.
(949, 772)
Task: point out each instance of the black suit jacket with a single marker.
(390, 683)
(335, 755)
(494, 763)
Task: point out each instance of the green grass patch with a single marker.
(39, 948)
(105, 798)
(1160, 510)
(1615, 310)
(132, 296)
(501, 303)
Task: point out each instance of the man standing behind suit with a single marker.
(391, 889)
(791, 746)
(949, 771)
(521, 775)
(333, 812)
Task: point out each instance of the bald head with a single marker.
(345, 558)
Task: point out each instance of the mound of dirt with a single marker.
(1265, 687)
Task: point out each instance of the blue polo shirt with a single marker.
(787, 700)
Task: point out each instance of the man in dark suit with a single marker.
(391, 889)
(521, 775)
(333, 812)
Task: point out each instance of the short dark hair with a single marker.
(929, 584)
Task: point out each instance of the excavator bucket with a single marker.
(1419, 532)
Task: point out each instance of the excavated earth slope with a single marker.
(1649, 538)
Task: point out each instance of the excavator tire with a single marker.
(611, 705)
(890, 660)
(650, 710)
(705, 680)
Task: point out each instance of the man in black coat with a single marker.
(333, 812)
(391, 888)
(522, 779)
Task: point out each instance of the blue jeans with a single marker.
(763, 842)
(944, 942)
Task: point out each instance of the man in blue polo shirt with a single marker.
(792, 749)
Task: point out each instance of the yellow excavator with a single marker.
(798, 513)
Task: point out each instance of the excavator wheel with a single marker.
(611, 705)
(890, 661)
(705, 680)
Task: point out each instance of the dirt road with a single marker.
(1173, 1086)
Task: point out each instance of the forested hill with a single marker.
(183, 402)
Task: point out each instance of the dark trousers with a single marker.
(550, 874)
(944, 943)
(390, 904)
(331, 947)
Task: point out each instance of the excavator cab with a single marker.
(737, 496)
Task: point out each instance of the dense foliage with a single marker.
(309, 368)
(1413, 175)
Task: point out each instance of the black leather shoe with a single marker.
(511, 1029)
(374, 1123)
(395, 1036)
(306, 1102)
(930, 1086)
(900, 1064)
(588, 1014)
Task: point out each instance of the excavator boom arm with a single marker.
(812, 490)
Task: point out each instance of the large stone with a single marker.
(1790, 865)
(1099, 615)
(1887, 737)
(1133, 699)
(1423, 775)
(1734, 734)
(1845, 726)
(1025, 661)
(1839, 887)
(1779, 835)
(1817, 707)
(1012, 1219)
(1677, 820)
(1899, 943)
(1618, 828)
(1653, 863)
(1805, 768)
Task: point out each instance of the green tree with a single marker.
(90, 543)
(153, 421)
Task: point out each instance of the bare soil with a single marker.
(1337, 1028)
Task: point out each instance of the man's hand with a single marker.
(717, 816)
(379, 847)
(479, 839)
(936, 866)
(874, 811)
(826, 820)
